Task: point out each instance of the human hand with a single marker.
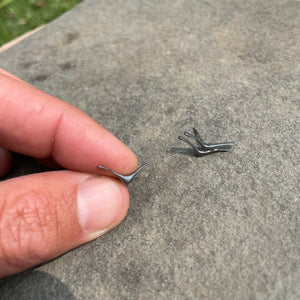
(44, 215)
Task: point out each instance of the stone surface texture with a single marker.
(224, 226)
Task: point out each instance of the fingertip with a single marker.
(102, 204)
(126, 202)
(131, 164)
(117, 155)
(53, 212)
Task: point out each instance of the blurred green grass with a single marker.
(20, 16)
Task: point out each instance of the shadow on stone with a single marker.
(33, 285)
(184, 151)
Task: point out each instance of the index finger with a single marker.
(39, 125)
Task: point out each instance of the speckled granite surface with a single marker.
(225, 226)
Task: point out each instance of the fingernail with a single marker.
(100, 204)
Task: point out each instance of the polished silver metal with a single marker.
(125, 178)
(205, 148)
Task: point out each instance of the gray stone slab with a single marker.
(224, 226)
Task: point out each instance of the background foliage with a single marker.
(20, 16)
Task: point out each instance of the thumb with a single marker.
(44, 215)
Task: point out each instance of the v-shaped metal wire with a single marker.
(125, 178)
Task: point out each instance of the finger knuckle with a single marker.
(28, 228)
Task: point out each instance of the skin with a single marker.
(39, 217)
